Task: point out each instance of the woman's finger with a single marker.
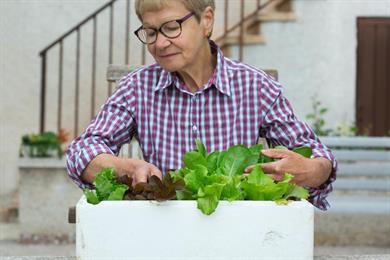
(249, 168)
(276, 153)
(276, 177)
(140, 177)
(155, 171)
(271, 168)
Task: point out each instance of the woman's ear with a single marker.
(208, 21)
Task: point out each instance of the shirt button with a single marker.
(194, 128)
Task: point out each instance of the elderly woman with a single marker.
(191, 92)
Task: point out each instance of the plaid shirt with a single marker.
(236, 106)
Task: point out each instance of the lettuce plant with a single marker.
(217, 176)
(207, 178)
(106, 188)
(109, 187)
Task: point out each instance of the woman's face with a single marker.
(179, 53)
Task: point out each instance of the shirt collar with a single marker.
(219, 79)
(164, 81)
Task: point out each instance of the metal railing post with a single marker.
(43, 93)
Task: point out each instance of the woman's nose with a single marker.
(162, 41)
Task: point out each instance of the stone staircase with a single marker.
(9, 216)
(360, 203)
(274, 11)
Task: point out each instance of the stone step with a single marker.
(351, 229)
(367, 169)
(9, 214)
(9, 231)
(361, 193)
(380, 184)
(354, 220)
(277, 17)
(359, 204)
(362, 155)
(9, 207)
(12, 250)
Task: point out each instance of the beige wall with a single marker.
(319, 46)
(316, 54)
(26, 27)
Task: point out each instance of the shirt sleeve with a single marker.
(113, 126)
(282, 127)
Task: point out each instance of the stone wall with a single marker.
(316, 54)
(45, 195)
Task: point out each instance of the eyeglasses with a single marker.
(170, 29)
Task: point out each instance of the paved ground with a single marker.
(13, 248)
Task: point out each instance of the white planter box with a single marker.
(178, 230)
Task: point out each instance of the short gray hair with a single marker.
(196, 6)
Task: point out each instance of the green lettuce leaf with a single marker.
(232, 189)
(91, 197)
(193, 158)
(208, 197)
(196, 178)
(297, 192)
(201, 148)
(236, 160)
(212, 161)
(256, 149)
(218, 176)
(118, 193)
(105, 183)
(304, 151)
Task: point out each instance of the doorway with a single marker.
(373, 76)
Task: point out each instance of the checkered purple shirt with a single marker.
(237, 106)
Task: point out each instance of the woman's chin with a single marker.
(169, 67)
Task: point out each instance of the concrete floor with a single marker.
(13, 248)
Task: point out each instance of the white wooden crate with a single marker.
(178, 230)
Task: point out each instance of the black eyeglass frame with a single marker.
(179, 21)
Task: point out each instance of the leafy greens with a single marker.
(109, 187)
(207, 178)
(217, 176)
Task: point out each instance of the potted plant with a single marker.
(46, 144)
(205, 210)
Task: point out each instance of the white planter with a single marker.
(178, 230)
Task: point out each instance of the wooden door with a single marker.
(373, 76)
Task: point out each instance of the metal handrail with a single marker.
(77, 26)
(77, 29)
(243, 20)
(43, 55)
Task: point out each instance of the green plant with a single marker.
(44, 144)
(217, 176)
(317, 118)
(207, 178)
(345, 129)
(108, 187)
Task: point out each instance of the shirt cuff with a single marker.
(79, 160)
(318, 195)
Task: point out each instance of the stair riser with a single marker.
(352, 229)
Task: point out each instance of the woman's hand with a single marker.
(307, 172)
(139, 170)
(142, 170)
